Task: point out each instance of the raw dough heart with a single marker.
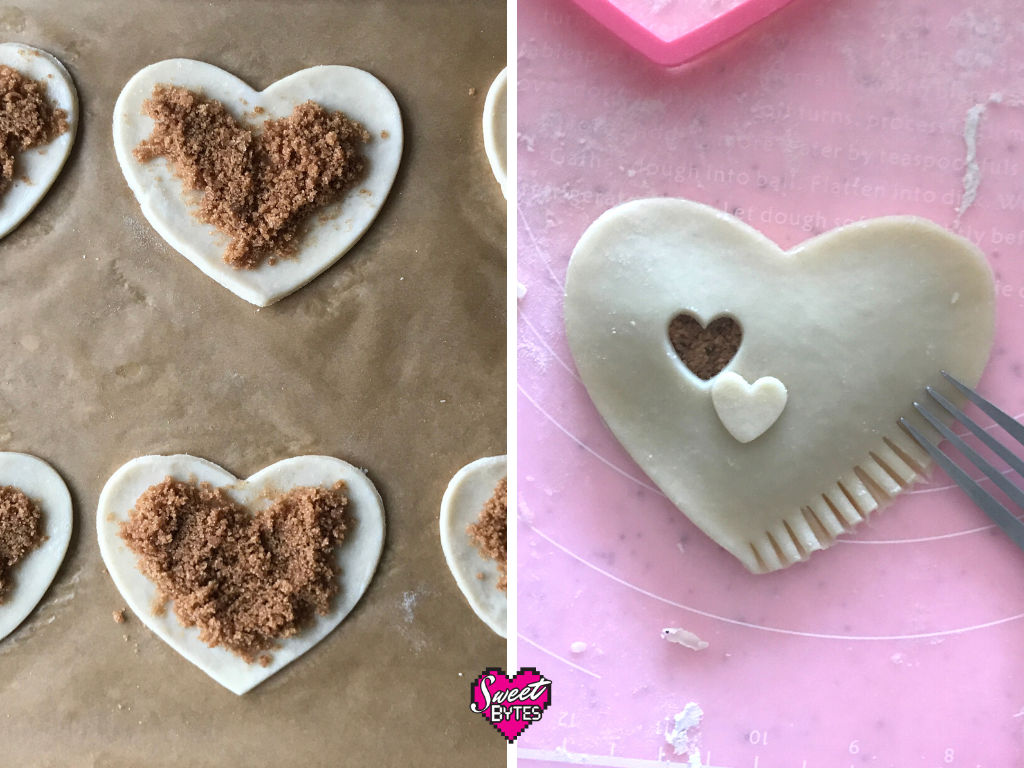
(465, 496)
(42, 165)
(855, 322)
(328, 234)
(33, 575)
(747, 410)
(496, 128)
(356, 557)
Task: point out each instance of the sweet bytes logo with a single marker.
(510, 704)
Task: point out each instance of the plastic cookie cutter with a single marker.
(671, 32)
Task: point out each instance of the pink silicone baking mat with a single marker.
(903, 645)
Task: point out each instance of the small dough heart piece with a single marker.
(37, 169)
(465, 496)
(496, 129)
(33, 576)
(328, 234)
(856, 322)
(748, 410)
(356, 557)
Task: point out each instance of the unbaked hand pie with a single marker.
(474, 537)
(241, 577)
(40, 120)
(262, 190)
(790, 436)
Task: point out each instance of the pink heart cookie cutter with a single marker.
(673, 32)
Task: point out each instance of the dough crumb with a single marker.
(684, 735)
(578, 647)
(705, 351)
(684, 638)
(21, 533)
(490, 532)
(258, 188)
(119, 617)
(472, 91)
(245, 580)
(26, 120)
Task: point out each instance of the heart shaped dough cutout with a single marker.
(33, 575)
(496, 129)
(37, 169)
(471, 488)
(356, 558)
(748, 410)
(328, 233)
(856, 322)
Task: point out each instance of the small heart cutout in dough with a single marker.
(356, 557)
(471, 488)
(705, 351)
(328, 233)
(37, 169)
(748, 410)
(856, 322)
(33, 575)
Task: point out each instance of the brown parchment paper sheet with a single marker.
(113, 346)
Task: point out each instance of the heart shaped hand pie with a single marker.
(33, 575)
(854, 323)
(356, 557)
(328, 233)
(463, 499)
(37, 169)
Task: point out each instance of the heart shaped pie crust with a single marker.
(37, 169)
(356, 557)
(471, 488)
(33, 575)
(328, 233)
(855, 323)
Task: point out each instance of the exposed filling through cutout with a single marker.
(705, 351)
(258, 187)
(245, 579)
(490, 532)
(26, 120)
(21, 533)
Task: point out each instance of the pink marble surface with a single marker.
(904, 644)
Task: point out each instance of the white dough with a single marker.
(855, 323)
(42, 165)
(33, 575)
(496, 129)
(329, 232)
(465, 496)
(747, 410)
(684, 637)
(357, 556)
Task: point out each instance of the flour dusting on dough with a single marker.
(684, 736)
(683, 637)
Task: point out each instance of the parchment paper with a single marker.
(115, 346)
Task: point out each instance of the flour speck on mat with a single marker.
(258, 186)
(21, 533)
(245, 580)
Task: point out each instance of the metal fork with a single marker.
(991, 506)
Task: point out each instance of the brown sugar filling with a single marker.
(245, 580)
(705, 351)
(26, 120)
(490, 532)
(258, 187)
(21, 533)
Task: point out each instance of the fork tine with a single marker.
(994, 445)
(999, 514)
(991, 472)
(1007, 422)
